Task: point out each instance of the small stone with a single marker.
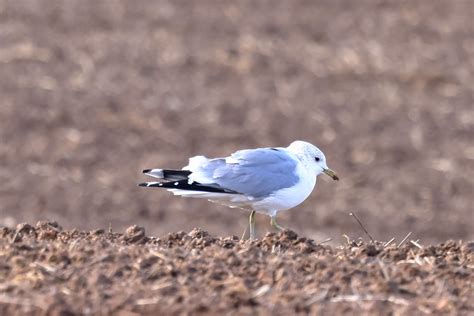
(134, 234)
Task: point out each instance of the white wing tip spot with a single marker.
(176, 183)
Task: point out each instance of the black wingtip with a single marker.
(146, 170)
(144, 184)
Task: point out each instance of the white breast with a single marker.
(287, 198)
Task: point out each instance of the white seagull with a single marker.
(263, 180)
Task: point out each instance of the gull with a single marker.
(261, 180)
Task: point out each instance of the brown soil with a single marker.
(45, 270)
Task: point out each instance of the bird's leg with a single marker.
(275, 224)
(252, 225)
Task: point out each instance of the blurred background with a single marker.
(92, 92)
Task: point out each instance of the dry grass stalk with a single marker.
(362, 226)
(404, 239)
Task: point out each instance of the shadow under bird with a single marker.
(263, 180)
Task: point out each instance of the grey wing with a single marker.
(253, 172)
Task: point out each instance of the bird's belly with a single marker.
(287, 198)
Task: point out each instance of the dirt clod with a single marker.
(134, 234)
(371, 250)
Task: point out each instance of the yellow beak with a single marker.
(331, 174)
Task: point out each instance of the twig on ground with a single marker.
(404, 239)
(15, 237)
(358, 298)
(384, 270)
(362, 226)
(318, 297)
(162, 285)
(243, 235)
(160, 255)
(416, 244)
(347, 238)
(380, 298)
(389, 242)
(264, 289)
(325, 240)
(147, 301)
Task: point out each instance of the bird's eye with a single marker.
(317, 158)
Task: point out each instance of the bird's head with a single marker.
(312, 157)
